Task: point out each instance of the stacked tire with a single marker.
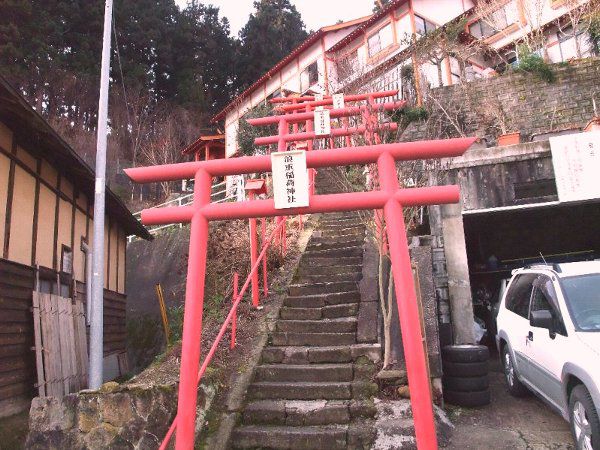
(465, 378)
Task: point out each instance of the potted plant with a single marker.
(502, 124)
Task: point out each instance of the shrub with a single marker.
(535, 64)
(408, 115)
(247, 133)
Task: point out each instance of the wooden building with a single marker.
(46, 218)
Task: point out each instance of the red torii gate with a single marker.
(391, 198)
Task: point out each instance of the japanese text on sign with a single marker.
(576, 161)
(290, 179)
(338, 101)
(322, 123)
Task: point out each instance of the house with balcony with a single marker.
(373, 50)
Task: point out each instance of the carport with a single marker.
(499, 240)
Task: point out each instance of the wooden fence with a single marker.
(60, 344)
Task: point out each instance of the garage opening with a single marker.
(502, 239)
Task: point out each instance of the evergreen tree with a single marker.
(272, 31)
(378, 5)
(204, 58)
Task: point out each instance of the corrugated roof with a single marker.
(31, 128)
(277, 67)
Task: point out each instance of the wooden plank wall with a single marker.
(17, 358)
(115, 329)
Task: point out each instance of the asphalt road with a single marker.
(509, 422)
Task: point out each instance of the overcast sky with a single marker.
(315, 13)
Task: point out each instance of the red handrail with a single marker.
(223, 329)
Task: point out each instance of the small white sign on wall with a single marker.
(576, 161)
(322, 121)
(290, 179)
(338, 101)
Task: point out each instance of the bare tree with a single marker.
(168, 137)
(525, 15)
(577, 21)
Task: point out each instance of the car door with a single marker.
(547, 349)
(516, 323)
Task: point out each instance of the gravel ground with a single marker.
(509, 422)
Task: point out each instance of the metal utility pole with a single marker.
(97, 319)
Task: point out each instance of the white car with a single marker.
(549, 341)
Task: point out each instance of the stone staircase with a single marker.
(312, 388)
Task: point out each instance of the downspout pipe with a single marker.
(88, 281)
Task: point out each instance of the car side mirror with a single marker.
(542, 319)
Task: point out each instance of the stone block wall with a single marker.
(134, 415)
(533, 106)
(128, 417)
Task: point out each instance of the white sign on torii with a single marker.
(290, 179)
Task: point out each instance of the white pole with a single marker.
(97, 319)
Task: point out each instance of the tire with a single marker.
(514, 385)
(581, 407)
(456, 369)
(465, 384)
(468, 399)
(465, 353)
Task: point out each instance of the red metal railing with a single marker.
(231, 318)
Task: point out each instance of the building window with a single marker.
(309, 77)
(275, 94)
(313, 73)
(481, 29)
(423, 26)
(381, 40)
(66, 260)
(496, 22)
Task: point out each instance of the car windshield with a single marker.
(583, 297)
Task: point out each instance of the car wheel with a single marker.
(584, 419)
(473, 369)
(465, 353)
(515, 387)
(465, 384)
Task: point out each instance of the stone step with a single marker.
(306, 390)
(326, 312)
(320, 300)
(306, 412)
(341, 225)
(296, 290)
(329, 270)
(300, 390)
(342, 325)
(330, 437)
(327, 262)
(282, 338)
(333, 244)
(343, 233)
(333, 252)
(304, 372)
(318, 355)
(354, 218)
(320, 278)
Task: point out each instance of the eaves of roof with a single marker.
(31, 128)
(314, 37)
